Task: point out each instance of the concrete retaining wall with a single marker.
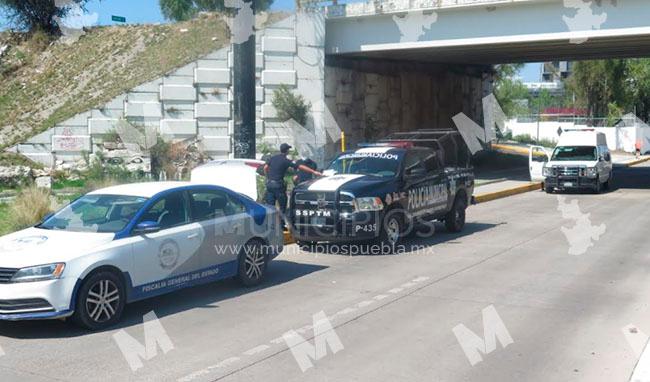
(195, 101)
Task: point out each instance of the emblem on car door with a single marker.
(168, 254)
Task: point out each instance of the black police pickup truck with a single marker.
(382, 191)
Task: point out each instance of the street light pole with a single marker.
(244, 82)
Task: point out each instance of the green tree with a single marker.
(32, 15)
(509, 90)
(639, 84)
(599, 83)
(181, 10)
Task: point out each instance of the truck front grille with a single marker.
(568, 171)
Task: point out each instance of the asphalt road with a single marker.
(566, 306)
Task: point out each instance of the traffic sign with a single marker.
(119, 19)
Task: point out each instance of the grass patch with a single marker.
(5, 219)
(66, 183)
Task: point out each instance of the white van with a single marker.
(581, 160)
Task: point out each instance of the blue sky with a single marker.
(148, 11)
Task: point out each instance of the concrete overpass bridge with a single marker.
(489, 31)
(367, 69)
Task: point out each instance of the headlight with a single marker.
(39, 273)
(368, 204)
(591, 172)
(547, 171)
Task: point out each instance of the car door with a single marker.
(165, 259)
(225, 221)
(537, 159)
(424, 193)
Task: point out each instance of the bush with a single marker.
(30, 207)
(290, 106)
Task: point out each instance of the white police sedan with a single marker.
(130, 242)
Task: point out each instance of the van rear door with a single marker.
(537, 158)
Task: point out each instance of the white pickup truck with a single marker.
(581, 160)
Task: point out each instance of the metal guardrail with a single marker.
(368, 8)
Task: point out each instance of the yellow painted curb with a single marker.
(482, 198)
(288, 239)
(635, 162)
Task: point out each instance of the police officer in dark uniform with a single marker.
(276, 169)
(303, 176)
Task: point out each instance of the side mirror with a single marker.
(146, 227)
(416, 172)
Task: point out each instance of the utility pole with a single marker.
(243, 47)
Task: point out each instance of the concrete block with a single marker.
(118, 102)
(179, 80)
(219, 54)
(269, 112)
(72, 143)
(212, 110)
(46, 159)
(34, 149)
(176, 127)
(279, 65)
(212, 64)
(107, 113)
(71, 130)
(77, 120)
(259, 61)
(216, 144)
(279, 77)
(214, 123)
(149, 87)
(213, 94)
(177, 93)
(101, 125)
(42, 138)
(259, 94)
(310, 63)
(272, 31)
(213, 131)
(187, 70)
(143, 110)
(278, 44)
(259, 127)
(144, 97)
(212, 76)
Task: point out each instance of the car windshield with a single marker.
(376, 164)
(566, 153)
(95, 213)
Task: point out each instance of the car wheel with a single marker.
(455, 219)
(549, 190)
(100, 301)
(252, 263)
(391, 232)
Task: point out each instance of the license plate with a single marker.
(568, 184)
(318, 220)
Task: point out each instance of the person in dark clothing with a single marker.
(275, 170)
(303, 176)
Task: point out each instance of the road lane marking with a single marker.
(257, 349)
(365, 303)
